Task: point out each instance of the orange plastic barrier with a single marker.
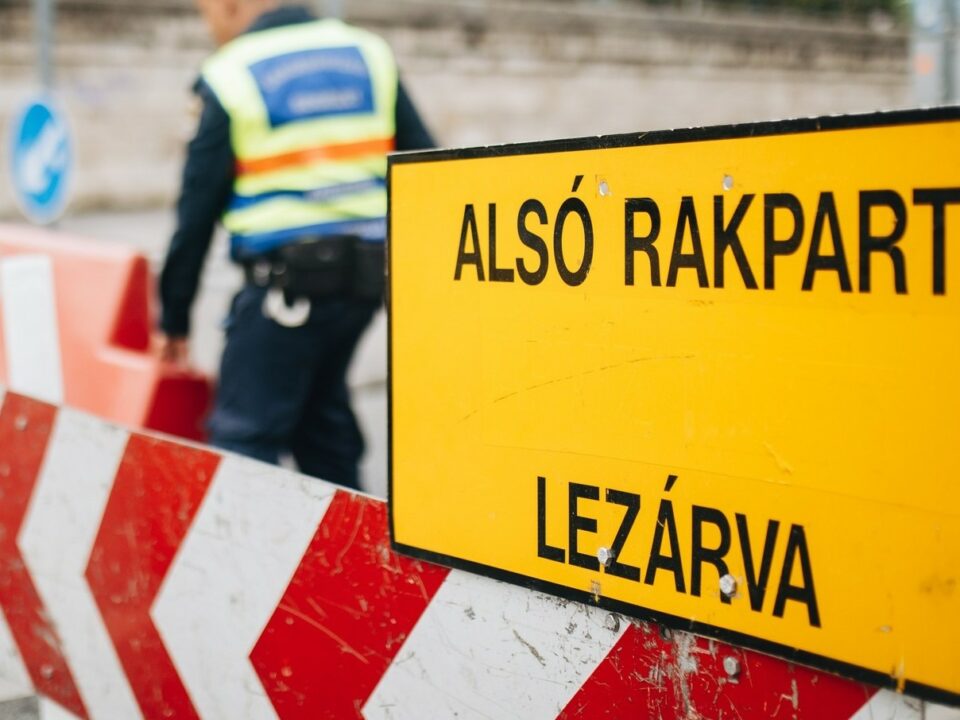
(75, 326)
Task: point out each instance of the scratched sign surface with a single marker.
(706, 376)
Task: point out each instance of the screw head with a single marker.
(604, 556)
(604, 188)
(20, 423)
(731, 666)
(728, 585)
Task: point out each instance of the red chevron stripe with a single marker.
(345, 615)
(657, 676)
(157, 492)
(25, 427)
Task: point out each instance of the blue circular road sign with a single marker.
(41, 161)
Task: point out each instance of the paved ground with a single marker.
(20, 709)
(150, 231)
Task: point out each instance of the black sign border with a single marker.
(658, 137)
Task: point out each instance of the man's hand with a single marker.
(174, 350)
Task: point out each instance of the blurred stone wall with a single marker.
(482, 72)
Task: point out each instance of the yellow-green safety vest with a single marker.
(312, 109)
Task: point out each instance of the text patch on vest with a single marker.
(314, 83)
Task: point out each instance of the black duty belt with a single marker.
(331, 266)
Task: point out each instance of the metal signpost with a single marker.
(334, 8)
(43, 22)
(40, 150)
(707, 377)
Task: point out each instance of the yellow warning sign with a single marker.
(710, 377)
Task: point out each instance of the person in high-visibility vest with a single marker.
(290, 155)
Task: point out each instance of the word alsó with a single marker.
(668, 557)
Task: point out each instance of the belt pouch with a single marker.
(318, 267)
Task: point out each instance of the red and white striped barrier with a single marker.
(141, 577)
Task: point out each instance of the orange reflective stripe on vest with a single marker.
(345, 151)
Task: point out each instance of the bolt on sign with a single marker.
(708, 377)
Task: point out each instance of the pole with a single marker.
(950, 52)
(43, 17)
(334, 8)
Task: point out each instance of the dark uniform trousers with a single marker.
(284, 389)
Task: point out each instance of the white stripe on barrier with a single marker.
(14, 680)
(932, 711)
(889, 705)
(57, 538)
(486, 649)
(49, 710)
(30, 331)
(247, 540)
